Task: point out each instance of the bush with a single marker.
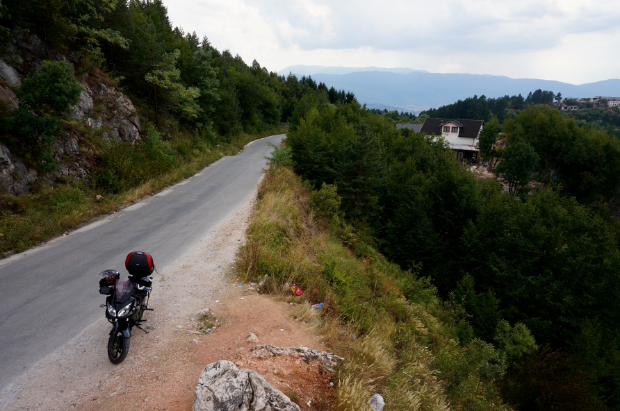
(326, 201)
(45, 98)
(280, 156)
(125, 165)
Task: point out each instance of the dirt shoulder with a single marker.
(163, 366)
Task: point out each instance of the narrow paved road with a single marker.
(50, 294)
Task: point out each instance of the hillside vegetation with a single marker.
(195, 102)
(543, 261)
(502, 108)
(396, 335)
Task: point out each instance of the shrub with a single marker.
(45, 98)
(326, 201)
(280, 156)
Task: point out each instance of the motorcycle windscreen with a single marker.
(124, 290)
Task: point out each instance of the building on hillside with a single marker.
(600, 101)
(461, 135)
(568, 108)
(415, 127)
(613, 102)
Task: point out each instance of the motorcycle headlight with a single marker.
(125, 310)
(111, 310)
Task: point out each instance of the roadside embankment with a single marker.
(398, 339)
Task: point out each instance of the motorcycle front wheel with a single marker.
(118, 347)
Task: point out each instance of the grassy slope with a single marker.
(405, 348)
(29, 220)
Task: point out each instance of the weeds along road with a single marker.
(50, 294)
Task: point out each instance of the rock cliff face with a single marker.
(102, 109)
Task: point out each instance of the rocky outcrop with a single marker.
(14, 176)
(118, 116)
(102, 108)
(84, 107)
(8, 96)
(224, 387)
(9, 74)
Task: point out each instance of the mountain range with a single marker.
(416, 90)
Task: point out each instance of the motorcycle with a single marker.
(126, 301)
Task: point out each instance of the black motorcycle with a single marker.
(126, 301)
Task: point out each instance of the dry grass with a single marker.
(393, 346)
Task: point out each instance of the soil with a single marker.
(162, 368)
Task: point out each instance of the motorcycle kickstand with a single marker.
(138, 325)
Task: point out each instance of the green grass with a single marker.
(29, 220)
(406, 347)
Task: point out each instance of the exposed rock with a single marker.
(101, 106)
(9, 74)
(8, 96)
(224, 387)
(128, 131)
(79, 170)
(112, 135)
(120, 118)
(94, 123)
(6, 167)
(69, 146)
(14, 176)
(34, 45)
(84, 107)
(266, 351)
(252, 338)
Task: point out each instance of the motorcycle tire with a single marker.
(118, 347)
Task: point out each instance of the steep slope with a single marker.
(102, 111)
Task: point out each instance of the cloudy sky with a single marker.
(574, 41)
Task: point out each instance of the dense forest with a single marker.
(402, 117)
(481, 108)
(177, 81)
(540, 259)
(603, 118)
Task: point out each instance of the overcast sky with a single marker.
(574, 41)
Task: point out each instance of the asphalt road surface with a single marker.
(50, 294)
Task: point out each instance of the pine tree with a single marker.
(361, 172)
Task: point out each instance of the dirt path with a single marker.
(162, 368)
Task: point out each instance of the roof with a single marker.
(414, 127)
(462, 147)
(467, 128)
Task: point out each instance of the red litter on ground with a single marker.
(297, 291)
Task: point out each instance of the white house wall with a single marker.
(453, 138)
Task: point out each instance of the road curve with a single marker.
(50, 293)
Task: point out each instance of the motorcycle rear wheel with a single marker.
(118, 347)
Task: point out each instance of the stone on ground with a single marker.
(224, 387)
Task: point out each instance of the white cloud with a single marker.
(528, 38)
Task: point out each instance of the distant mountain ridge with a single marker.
(418, 90)
(301, 70)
